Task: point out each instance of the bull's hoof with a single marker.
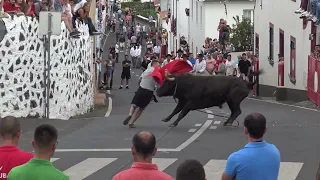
(227, 123)
(165, 120)
(173, 125)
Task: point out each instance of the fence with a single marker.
(22, 66)
(313, 89)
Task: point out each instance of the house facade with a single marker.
(280, 33)
(206, 14)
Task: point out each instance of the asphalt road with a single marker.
(98, 148)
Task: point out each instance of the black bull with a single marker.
(199, 92)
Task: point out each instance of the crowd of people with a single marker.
(243, 165)
(71, 12)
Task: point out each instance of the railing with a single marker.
(313, 89)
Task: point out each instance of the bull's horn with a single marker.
(167, 74)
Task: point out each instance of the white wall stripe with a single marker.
(53, 159)
(163, 163)
(87, 167)
(288, 170)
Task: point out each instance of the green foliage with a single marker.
(144, 9)
(242, 34)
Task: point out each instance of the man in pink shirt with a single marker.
(143, 149)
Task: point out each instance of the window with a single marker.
(292, 71)
(281, 43)
(247, 14)
(257, 45)
(271, 38)
(200, 17)
(197, 12)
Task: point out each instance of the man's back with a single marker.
(11, 157)
(258, 160)
(37, 169)
(142, 171)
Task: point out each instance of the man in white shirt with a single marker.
(134, 56)
(200, 67)
(231, 67)
(143, 95)
(138, 29)
(117, 52)
(156, 50)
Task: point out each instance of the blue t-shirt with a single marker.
(256, 161)
(192, 61)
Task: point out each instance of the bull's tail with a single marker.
(251, 84)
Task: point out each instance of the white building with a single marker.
(278, 30)
(206, 14)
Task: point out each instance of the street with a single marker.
(98, 148)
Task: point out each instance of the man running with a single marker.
(143, 95)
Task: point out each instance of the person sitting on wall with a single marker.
(83, 15)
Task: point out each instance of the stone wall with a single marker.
(22, 67)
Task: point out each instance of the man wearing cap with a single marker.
(180, 53)
(200, 66)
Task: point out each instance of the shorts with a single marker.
(125, 75)
(121, 44)
(109, 72)
(142, 98)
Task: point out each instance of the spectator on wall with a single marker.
(64, 7)
(83, 14)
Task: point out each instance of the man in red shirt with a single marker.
(10, 6)
(10, 155)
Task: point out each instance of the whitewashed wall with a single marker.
(215, 11)
(22, 65)
(183, 19)
(197, 21)
(283, 17)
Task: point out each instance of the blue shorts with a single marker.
(109, 72)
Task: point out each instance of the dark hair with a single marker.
(9, 127)
(144, 143)
(190, 170)
(256, 125)
(45, 135)
(229, 55)
(244, 54)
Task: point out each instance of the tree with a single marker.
(241, 35)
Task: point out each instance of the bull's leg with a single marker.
(185, 110)
(176, 110)
(234, 105)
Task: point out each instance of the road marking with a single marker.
(217, 122)
(197, 125)
(137, 75)
(163, 163)
(105, 40)
(213, 127)
(111, 150)
(87, 167)
(53, 159)
(288, 170)
(192, 130)
(178, 149)
(210, 115)
(289, 105)
(109, 107)
(194, 136)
